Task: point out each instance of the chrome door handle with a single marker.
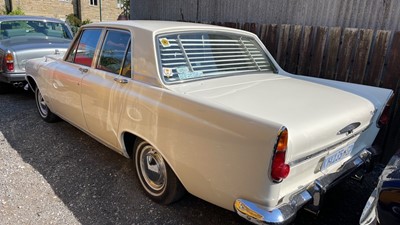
(83, 70)
(121, 80)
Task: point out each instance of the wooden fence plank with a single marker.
(271, 39)
(246, 26)
(361, 56)
(253, 29)
(230, 24)
(378, 58)
(295, 49)
(391, 78)
(345, 53)
(332, 53)
(318, 51)
(305, 50)
(263, 33)
(282, 44)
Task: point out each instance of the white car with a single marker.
(207, 110)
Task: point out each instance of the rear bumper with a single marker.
(12, 77)
(312, 195)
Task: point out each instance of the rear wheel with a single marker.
(44, 112)
(156, 177)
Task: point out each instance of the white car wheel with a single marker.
(156, 177)
(44, 111)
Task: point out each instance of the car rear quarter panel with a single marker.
(218, 155)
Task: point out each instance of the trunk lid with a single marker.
(313, 113)
(26, 48)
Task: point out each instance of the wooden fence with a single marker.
(362, 56)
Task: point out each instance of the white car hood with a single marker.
(313, 113)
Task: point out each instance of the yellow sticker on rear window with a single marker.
(167, 72)
(164, 42)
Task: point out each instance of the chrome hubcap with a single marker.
(153, 168)
(42, 105)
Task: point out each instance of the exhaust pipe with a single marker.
(18, 84)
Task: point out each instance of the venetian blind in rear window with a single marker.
(191, 56)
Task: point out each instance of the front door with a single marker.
(68, 75)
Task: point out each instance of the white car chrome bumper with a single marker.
(315, 191)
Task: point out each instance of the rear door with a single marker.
(104, 90)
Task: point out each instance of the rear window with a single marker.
(191, 56)
(29, 28)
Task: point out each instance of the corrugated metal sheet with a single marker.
(371, 14)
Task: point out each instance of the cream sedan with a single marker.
(207, 110)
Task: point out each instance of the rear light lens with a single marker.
(385, 116)
(279, 169)
(9, 59)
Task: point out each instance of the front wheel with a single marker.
(45, 113)
(156, 177)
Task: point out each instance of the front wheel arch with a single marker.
(31, 82)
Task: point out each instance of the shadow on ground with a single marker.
(99, 186)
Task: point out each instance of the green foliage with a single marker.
(126, 6)
(72, 20)
(17, 11)
(87, 21)
(75, 21)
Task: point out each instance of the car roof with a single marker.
(36, 18)
(157, 26)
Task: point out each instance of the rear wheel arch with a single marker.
(163, 186)
(129, 140)
(174, 189)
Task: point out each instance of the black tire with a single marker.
(155, 176)
(4, 88)
(45, 113)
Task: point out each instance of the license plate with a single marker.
(337, 156)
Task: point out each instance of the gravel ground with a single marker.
(55, 174)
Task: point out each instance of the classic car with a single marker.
(207, 110)
(27, 37)
(383, 206)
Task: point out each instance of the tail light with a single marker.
(280, 170)
(385, 115)
(9, 59)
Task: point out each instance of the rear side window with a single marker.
(84, 49)
(115, 53)
(33, 28)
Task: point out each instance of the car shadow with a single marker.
(99, 186)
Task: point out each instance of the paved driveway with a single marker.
(56, 174)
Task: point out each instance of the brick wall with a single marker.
(2, 6)
(50, 8)
(109, 10)
(60, 8)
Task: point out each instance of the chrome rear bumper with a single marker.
(310, 197)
